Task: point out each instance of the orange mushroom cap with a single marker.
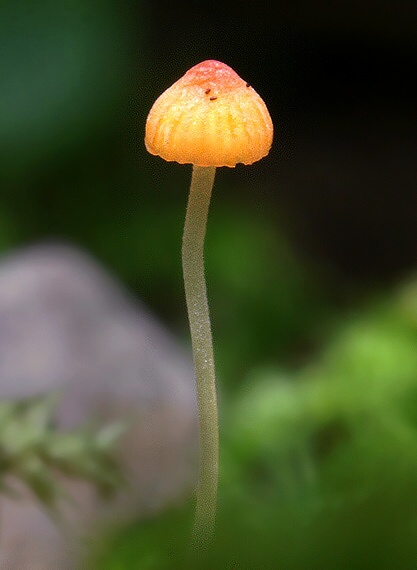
(209, 117)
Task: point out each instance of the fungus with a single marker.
(208, 118)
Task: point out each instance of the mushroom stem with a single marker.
(198, 313)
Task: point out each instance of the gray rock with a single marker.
(67, 326)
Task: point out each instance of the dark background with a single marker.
(328, 216)
(338, 80)
(298, 245)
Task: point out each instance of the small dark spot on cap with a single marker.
(213, 98)
(207, 91)
(247, 84)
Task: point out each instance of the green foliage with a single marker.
(319, 458)
(66, 91)
(34, 451)
(319, 466)
(58, 63)
(264, 302)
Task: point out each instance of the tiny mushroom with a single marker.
(208, 118)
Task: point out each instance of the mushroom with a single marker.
(208, 118)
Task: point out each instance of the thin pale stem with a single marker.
(198, 313)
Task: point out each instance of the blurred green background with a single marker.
(310, 253)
